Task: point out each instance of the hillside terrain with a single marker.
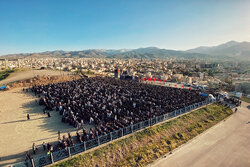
(145, 53)
(229, 51)
(21, 75)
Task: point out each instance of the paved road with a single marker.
(227, 144)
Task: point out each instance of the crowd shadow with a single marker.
(18, 158)
(21, 120)
(44, 139)
(51, 124)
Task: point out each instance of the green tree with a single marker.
(210, 73)
(197, 70)
(186, 73)
(229, 81)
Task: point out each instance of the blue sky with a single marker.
(42, 25)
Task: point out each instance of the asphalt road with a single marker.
(227, 144)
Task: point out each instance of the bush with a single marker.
(5, 74)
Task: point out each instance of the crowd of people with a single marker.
(63, 143)
(233, 101)
(110, 104)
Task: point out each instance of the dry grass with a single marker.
(146, 146)
(246, 99)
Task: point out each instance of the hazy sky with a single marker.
(41, 25)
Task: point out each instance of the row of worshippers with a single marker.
(233, 101)
(110, 104)
(65, 142)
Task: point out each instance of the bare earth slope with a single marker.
(224, 145)
(27, 74)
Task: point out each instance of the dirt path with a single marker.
(18, 133)
(224, 145)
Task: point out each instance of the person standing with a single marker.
(44, 146)
(34, 148)
(27, 156)
(59, 137)
(82, 124)
(69, 135)
(51, 149)
(48, 146)
(28, 116)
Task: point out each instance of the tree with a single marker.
(186, 73)
(229, 81)
(197, 69)
(210, 73)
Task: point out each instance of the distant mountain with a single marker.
(156, 53)
(147, 53)
(231, 49)
(228, 51)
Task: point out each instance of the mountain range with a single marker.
(231, 50)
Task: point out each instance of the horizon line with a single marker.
(120, 48)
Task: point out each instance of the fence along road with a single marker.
(86, 145)
(227, 144)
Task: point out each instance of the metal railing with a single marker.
(86, 145)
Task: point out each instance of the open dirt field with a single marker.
(27, 74)
(18, 133)
(224, 145)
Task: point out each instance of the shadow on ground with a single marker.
(49, 124)
(45, 125)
